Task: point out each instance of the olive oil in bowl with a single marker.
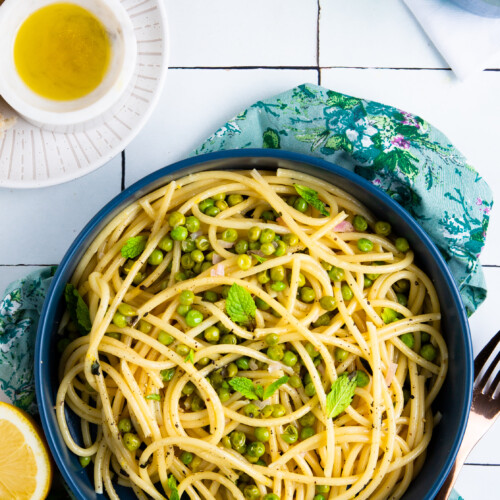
(62, 52)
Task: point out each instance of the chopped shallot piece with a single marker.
(281, 222)
(390, 373)
(273, 367)
(253, 365)
(216, 258)
(226, 244)
(344, 227)
(218, 270)
(195, 235)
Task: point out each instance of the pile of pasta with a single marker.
(251, 335)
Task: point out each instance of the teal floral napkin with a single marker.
(397, 151)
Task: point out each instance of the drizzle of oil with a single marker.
(62, 52)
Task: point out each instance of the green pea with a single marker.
(307, 294)
(272, 339)
(243, 363)
(290, 358)
(212, 334)
(197, 256)
(219, 196)
(183, 310)
(182, 350)
(402, 299)
(340, 354)
(204, 204)
(275, 352)
(301, 281)
(131, 441)
(234, 199)
(267, 236)
(281, 249)
(328, 303)
(179, 233)
(232, 370)
(205, 266)
(401, 286)
(307, 377)
(257, 448)
(311, 350)
(408, 339)
(307, 420)
(322, 488)
(224, 291)
(267, 411)
(125, 425)
(310, 390)
(336, 274)
(383, 228)
(278, 273)
(229, 338)
(301, 205)
(291, 239)
(144, 326)
(362, 378)
(271, 496)
(192, 224)
(202, 362)
(365, 245)
(367, 282)
(295, 381)
(251, 410)
(84, 461)
(188, 245)
(188, 389)
(155, 258)
(323, 320)
(402, 245)
(113, 335)
(291, 434)
(428, 352)
(202, 243)
(261, 434)
(194, 318)
(278, 286)
(211, 296)
(221, 205)
(267, 249)
(223, 394)
(306, 433)
(424, 337)
(263, 306)
(226, 442)
(389, 315)
(251, 492)
(244, 262)
(230, 235)
(217, 378)
(319, 497)
(186, 457)
(167, 375)
(263, 277)
(254, 233)
(127, 310)
(346, 292)
(278, 410)
(166, 244)
(139, 278)
(176, 219)
(241, 247)
(186, 261)
(119, 320)
(360, 223)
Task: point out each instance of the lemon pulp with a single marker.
(62, 52)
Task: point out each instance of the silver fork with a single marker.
(484, 410)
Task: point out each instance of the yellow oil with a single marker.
(62, 52)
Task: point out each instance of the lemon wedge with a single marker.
(25, 467)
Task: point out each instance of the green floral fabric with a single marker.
(399, 152)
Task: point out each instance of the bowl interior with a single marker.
(453, 401)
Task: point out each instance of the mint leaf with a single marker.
(311, 196)
(244, 386)
(78, 309)
(340, 397)
(134, 247)
(259, 390)
(154, 397)
(272, 388)
(172, 484)
(190, 357)
(258, 258)
(240, 306)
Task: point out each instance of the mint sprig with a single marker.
(190, 357)
(340, 397)
(134, 247)
(255, 391)
(240, 305)
(78, 309)
(172, 484)
(311, 196)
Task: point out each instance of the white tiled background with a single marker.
(224, 55)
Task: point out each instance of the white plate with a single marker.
(31, 157)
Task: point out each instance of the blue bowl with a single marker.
(453, 401)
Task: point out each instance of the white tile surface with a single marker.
(242, 33)
(478, 483)
(42, 223)
(195, 104)
(364, 33)
(467, 112)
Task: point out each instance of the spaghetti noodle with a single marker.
(253, 335)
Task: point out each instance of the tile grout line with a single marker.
(318, 22)
(122, 185)
(474, 464)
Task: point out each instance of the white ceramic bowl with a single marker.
(87, 111)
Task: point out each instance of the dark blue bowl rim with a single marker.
(55, 291)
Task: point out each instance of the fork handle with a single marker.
(445, 490)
